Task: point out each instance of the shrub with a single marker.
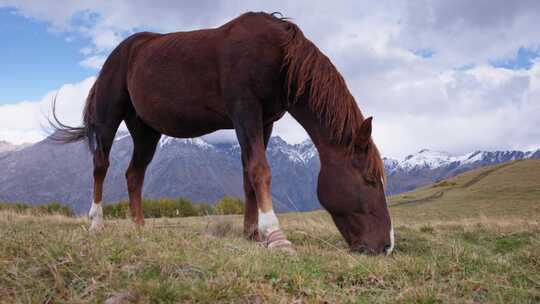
(51, 208)
(119, 210)
(151, 208)
(16, 207)
(230, 205)
(55, 208)
(186, 208)
(205, 209)
(154, 208)
(166, 207)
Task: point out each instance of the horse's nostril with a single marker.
(387, 248)
(362, 248)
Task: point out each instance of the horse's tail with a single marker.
(64, 134)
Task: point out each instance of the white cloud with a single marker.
(86, 51)
(27, 121)
(458, 111)
(94, 62)
(416, 102)
(105, 39)
(462, 31)
(289, 129)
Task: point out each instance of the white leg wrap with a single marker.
(96, 215)
(268, 222)
(391, 240)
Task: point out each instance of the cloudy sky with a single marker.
(453, 75)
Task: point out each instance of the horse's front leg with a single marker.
(251, 136)
(251, 213)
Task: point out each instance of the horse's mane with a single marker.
(311, 74)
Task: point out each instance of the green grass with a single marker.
(445, 253)
(511, 189)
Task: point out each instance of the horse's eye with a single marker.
(356, 163)
(362, 148)
(369, 180)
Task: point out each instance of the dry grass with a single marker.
(464, 257)
(508, 190)
(207, 260)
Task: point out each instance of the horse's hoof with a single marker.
(276, 240)
(96, 226)
(139, 223)
(253, 236)
(96, 216)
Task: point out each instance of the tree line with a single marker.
(152, 208)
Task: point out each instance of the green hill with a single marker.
(506, 190)
(474, 238)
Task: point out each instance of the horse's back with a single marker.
(179, 83)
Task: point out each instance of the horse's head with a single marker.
(351, 188)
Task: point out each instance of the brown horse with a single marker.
(244, 75)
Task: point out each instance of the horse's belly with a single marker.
(176, 102)
(183, 118)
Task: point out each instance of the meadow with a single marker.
(478, 242)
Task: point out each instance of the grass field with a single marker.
(479, 242)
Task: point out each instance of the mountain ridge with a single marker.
(204, 172)
(6, 146)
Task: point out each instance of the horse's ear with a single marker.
(364, 133)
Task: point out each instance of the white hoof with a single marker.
(97, 225)
(96, 215)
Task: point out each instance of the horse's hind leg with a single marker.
(104, 138)
(251, 214)
(145, 140)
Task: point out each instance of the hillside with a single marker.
(478, 242)
(502, 190)
(427, 167)
(205, 172)
(9, 147)
(192, 168)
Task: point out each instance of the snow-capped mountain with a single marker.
(429, 166)
(435, 159)
(204, 172)
(426, 159)
(197, 142)
(191, 168)
(298, 153)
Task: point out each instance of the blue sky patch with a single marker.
(465, 67)
(424, 53)
(523, 59)
(35, 60)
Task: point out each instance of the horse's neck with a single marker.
(319, 134)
